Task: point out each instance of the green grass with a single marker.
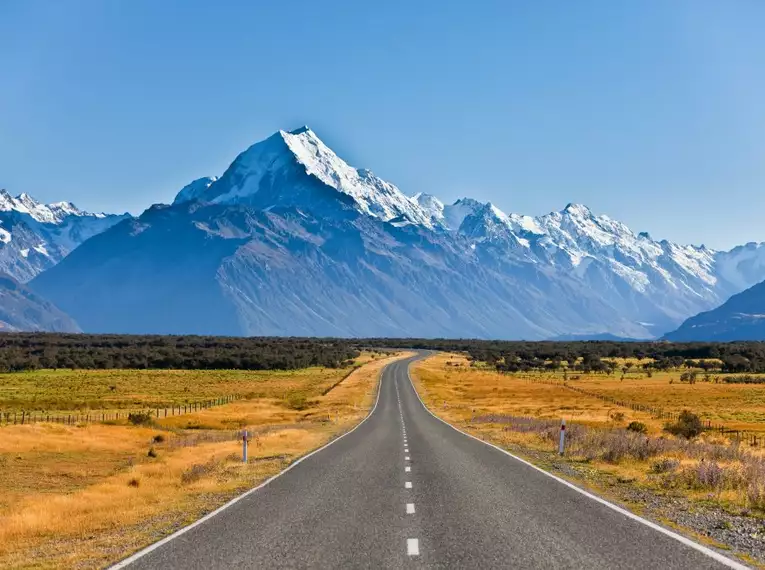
(78, 390)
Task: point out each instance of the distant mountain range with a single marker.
(291, 240)
(742, 317)
(35, 237)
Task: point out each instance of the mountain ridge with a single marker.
(351, 223)
(742, 317)
(36, 236)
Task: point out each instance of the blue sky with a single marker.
(650, 111)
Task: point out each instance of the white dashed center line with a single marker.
(412, 547)
(412, 544)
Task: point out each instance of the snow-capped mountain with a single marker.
(293, 240)
(35, 236)
(297, 169)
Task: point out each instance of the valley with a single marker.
(88, 494)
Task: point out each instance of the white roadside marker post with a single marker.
(562, 437)
(244, 446)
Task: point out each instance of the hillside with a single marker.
(291, 240)
(742, 317)
(23, 310)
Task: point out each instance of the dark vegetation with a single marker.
(30, 351)
(688, 425)
(518, 356)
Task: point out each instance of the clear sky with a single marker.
(652, 111)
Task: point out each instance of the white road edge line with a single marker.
(407, 469)
(408, 485)
(412, 547)
(686, 541)
(410, 508)
(141, 553)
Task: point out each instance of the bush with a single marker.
(297, 401)
(134, 482)
(688, 425)
(159, 438)
(665, 466)
(140, 418)
(637, 427)
(152, 453)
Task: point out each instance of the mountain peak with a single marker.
(301, 130)
(577, 210)
(284, 170)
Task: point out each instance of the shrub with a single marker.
(139, 418)
(688, 425)
(637, 427)
(152, 453)
(134, 482)
(617, 417)
(159, 438)
(665, 466)
(297, 401)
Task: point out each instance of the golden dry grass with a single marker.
(737, 406)
(86, 496)
(458, 392)
(76, 390)
(452, 384)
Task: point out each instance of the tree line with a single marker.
(30, 351)
(592, 356)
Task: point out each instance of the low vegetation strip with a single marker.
(87, 495)
(671, 470)
(135, 417)
(752, 439)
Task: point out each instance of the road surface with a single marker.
(405, 490)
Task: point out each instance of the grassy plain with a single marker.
(78, 390)
(87, 495)
(737, 406)
(483, 401)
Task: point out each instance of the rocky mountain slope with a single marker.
(742, 317)
(23, 310)
(292, 240)
(35, 236)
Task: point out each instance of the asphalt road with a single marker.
(405, 490)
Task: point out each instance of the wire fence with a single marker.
(754, 439)
(22, 417)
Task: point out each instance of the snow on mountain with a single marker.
(431, 206)
(36, 236)
(195, 190)
(742, 317)
(270, 173)
(293, 240)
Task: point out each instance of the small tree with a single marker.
(688, 425)
(637, 427)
